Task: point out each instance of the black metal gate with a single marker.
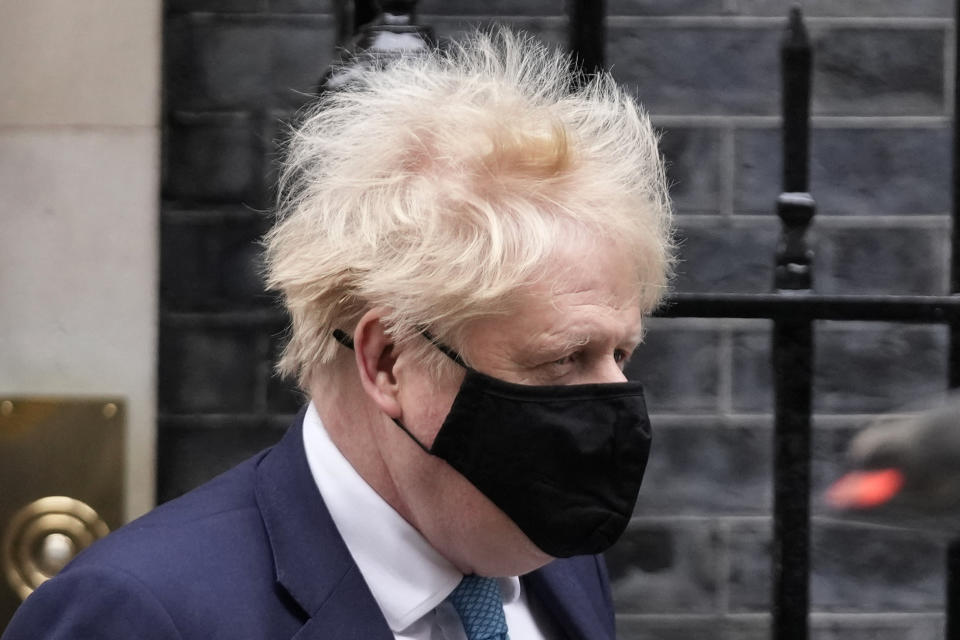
(794, 307)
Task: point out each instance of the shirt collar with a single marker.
(407, 577)
(509, 589)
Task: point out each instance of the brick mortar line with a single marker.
(839, 421)
(669, 420)
(293, 15)
(886, 221)
(724, 565)
(727, 522)
(879, 122)
(172, 212)
(247, 319)
(213, 116)
(263, 15)
(759, 324)
(822, 220)
(732, 221)
(842, 325)
(665, 420)
(202, 116)
(728, 187)
(80, 128)
(945, 249)
(821, 122)
(213, 421)
(761, 420)
(257, 318)
(866, 617)
(694, 617)
(725, 373)
(706, 323)
(694, 519)
(928, 535)
(425, 18)
(768, 22)
(730, 520)
(738, 21)
(264, 366)
(949, 62)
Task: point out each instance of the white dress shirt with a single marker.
(409, 579)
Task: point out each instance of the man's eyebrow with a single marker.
(557, 344)
(579, 340)
(572, 342)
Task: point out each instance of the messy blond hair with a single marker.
(438, 185)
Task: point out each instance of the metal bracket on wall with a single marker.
(61, 485)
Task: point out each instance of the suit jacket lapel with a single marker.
(349, 613)
(310, 558)
(313, 564)
(559, 587)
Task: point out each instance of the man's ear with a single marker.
(376, 358)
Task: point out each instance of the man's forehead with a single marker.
(605, 287)
(571, 322)
(626, 328)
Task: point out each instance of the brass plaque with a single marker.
(61, 486)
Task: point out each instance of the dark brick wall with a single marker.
(880, 173)
(695, 561)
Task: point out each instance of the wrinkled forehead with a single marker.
(585, 289)
(582, 265)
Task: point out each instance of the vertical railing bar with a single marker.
(793, 351)
(587, 35)
(953, 365)
(796, 58)
(955, 208)
(954, 361)
(792, 364)
(364, 11)
(953, 591)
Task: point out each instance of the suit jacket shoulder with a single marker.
(253, 554)
(197, 567)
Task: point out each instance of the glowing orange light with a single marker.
(865, 489)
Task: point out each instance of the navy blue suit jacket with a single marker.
(254, 554)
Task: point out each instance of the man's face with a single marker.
(576, 326)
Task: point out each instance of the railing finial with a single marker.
(795, 206)
(392, 33)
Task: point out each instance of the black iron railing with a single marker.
(793, 308)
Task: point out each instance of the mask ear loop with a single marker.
(444, 349)
(344, 339)
(341, 336)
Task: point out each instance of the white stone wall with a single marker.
(79, 176)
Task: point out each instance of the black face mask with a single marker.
(564, 462)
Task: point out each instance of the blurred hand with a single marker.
(905, 468)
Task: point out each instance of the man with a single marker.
(467, 251)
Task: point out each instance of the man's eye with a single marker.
(567, 359)
(620, 356)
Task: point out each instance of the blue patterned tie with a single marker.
(480, 607)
